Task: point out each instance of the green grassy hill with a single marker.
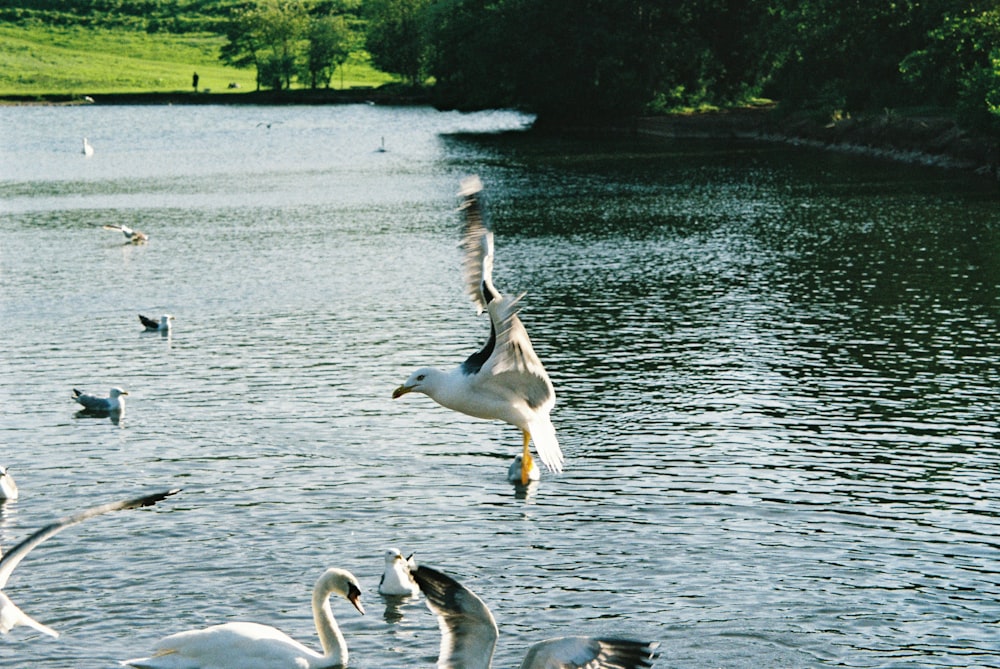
(47, 60)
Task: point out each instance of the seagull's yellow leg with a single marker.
(525, 458)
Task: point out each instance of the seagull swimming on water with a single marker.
(469, 635)
(504, 380)
(10, 615)
(8, 488)
(131, 236)
(88, 148)
(153, 325)
(114, 403)
(396, 579)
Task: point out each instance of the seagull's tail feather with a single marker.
(34, 624)
(13, 617)
(546, 444)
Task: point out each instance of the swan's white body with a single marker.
(8, 488)
(469, 635)
(88, 149)
(396, 579)
(10, 615)
(254, 646)
(505, 380)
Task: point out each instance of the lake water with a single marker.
(778, 380)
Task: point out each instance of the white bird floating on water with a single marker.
(396, 579)
(255, 646)
(505, 380)
(131, 236)
(88, 148)
(469, 635)
(10, 615)
(115, 403)
(8, 488)
(515, 474)
(153, 325)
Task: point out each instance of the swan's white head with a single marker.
(424, 380)
(343, 583)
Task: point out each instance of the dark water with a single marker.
(777, 375)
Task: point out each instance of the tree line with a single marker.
(591, 59)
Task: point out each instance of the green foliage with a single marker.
(396, 37)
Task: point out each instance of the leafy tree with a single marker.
(268, 36)
(330, 44)
(396, 37)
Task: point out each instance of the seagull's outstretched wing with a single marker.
(13, 557)
(468, 630)
(581, 652)
(477, 245)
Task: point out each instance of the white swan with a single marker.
(131, 236)
(88, 149)
(115, 403)
(254, 646)
(469, 635)
(8, 488)
(153, 325)
(396, 579)
(505, 380)
(10, 615)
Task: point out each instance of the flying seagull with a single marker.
(10, 615)
(469, 635)
(131, 236)
(504, 380)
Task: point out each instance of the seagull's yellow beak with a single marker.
(402, 390)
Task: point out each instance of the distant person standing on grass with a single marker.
(194, 82)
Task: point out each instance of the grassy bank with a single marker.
(40, 60)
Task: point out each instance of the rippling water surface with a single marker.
(777, 376)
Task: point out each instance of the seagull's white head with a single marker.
(424, 380)
(391, 555)
(165, 321)
(117, 392)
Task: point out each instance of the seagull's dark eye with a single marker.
(420, 378)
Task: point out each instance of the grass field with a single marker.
(37, 60)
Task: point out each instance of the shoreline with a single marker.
(919, 139)
(931, 140)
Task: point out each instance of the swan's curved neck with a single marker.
(334, 645)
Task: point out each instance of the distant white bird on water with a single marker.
(8, 488)
(153, 325)
(10, 615)
(515, 475)
(88, 148)
(114, 403)
(131, 236)
(396, 579)
(504, 380)
(255, 646)
(469, 635)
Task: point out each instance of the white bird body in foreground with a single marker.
(131, 236)
(253, 646)
(469, 635)
(153, 325)
(88, 149)
(396, 579)
(114, 403)
(10, 615)
(504, 380)
(514, 474)
(8, 488)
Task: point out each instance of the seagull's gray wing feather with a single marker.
(468, 630)
(12, 558)
(580, 652)
(92, 402)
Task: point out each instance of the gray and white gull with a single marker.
(469, 635)
(504, 380)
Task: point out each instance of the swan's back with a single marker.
(250, 645)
